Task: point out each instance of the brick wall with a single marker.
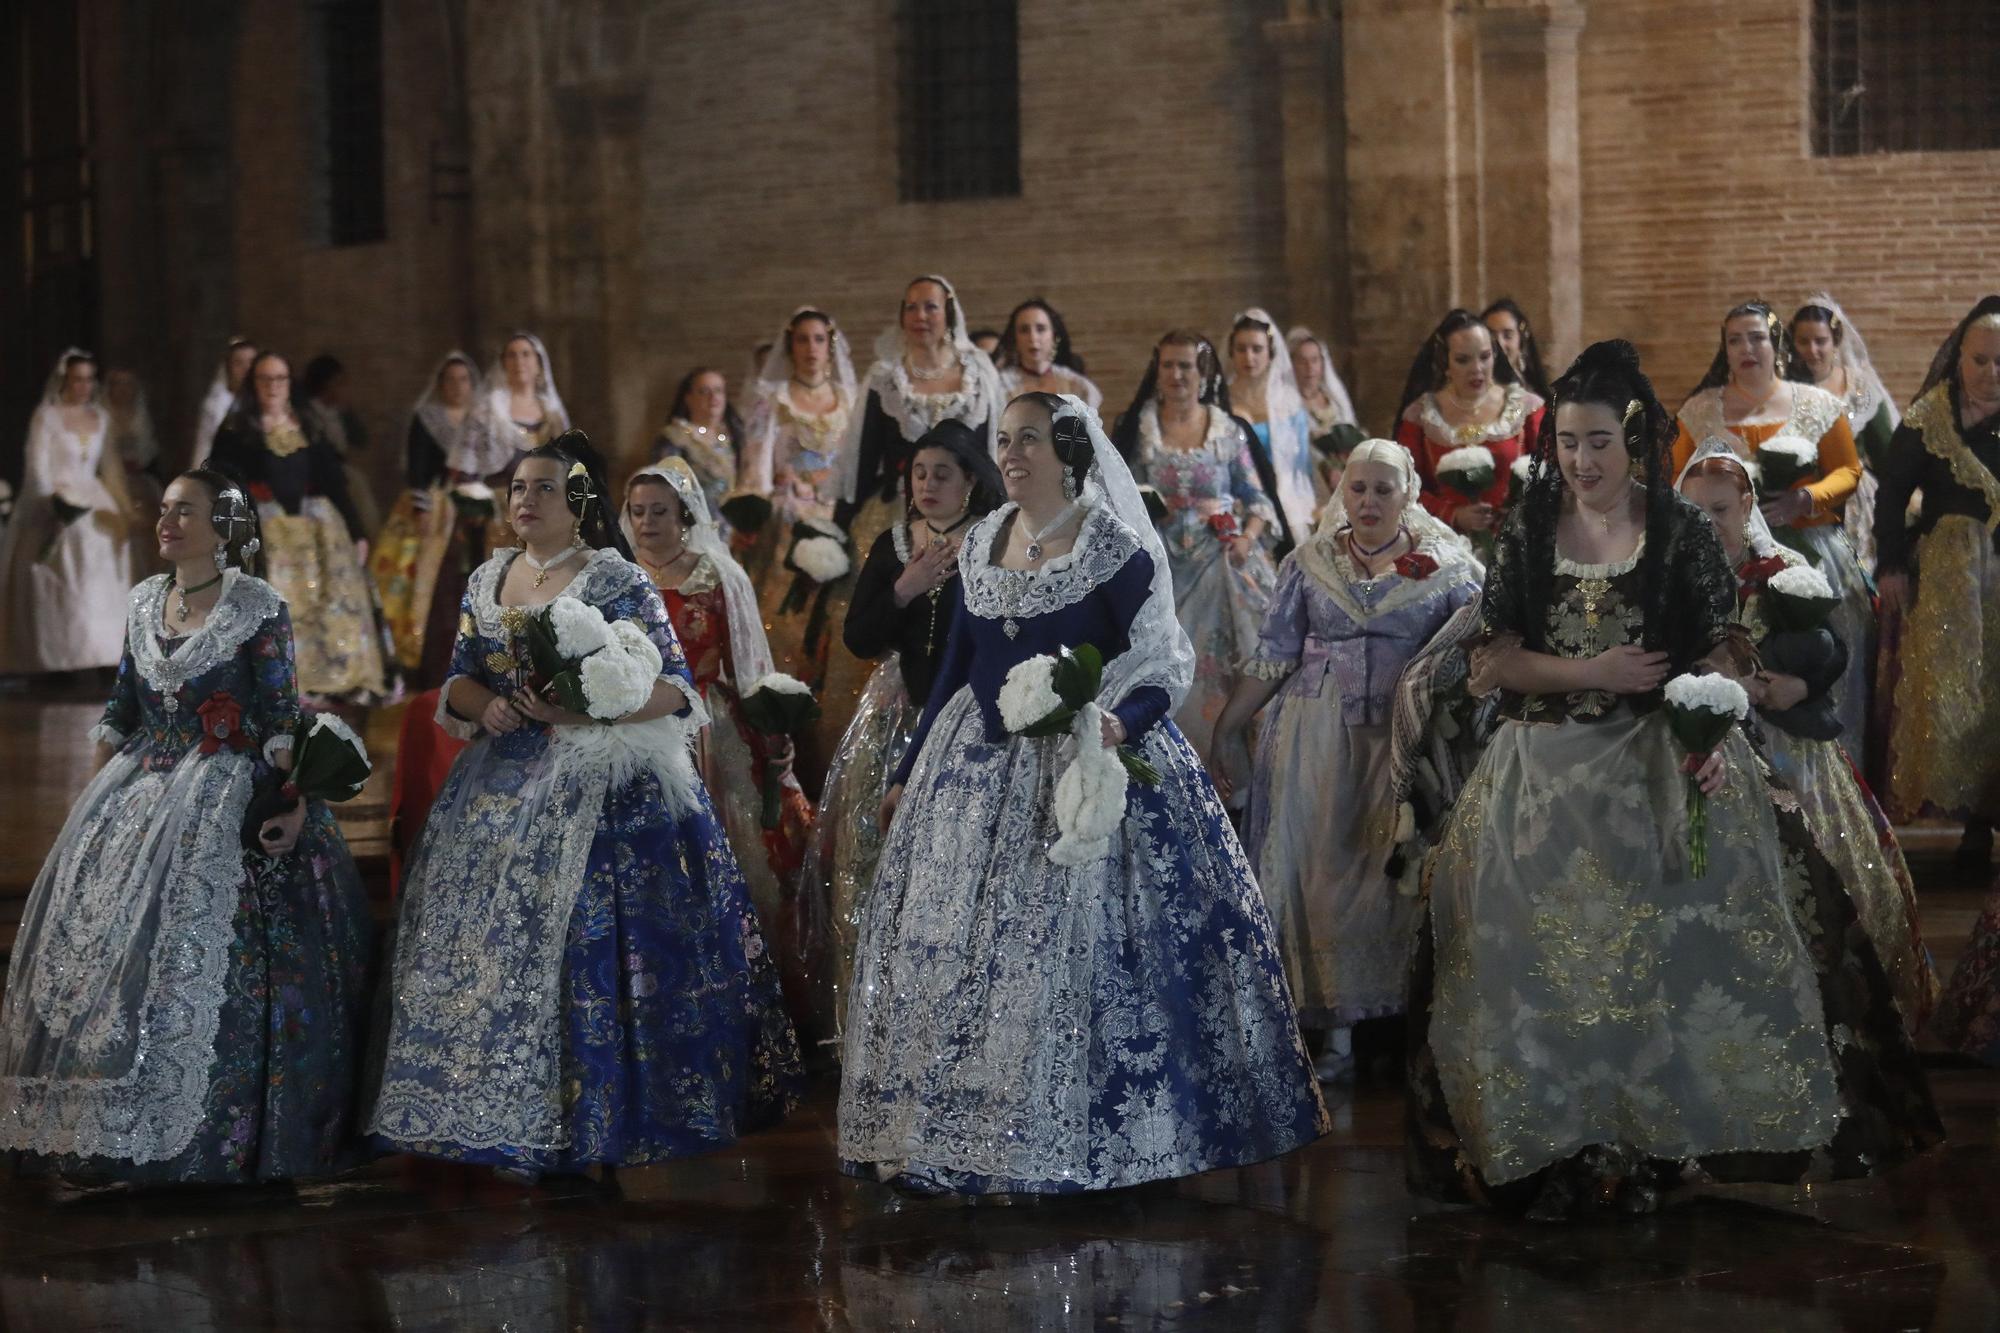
(1699, 189)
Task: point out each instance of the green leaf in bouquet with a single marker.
(1055, 724)
(327, 765)
(1137, 768)
(1698, 730)
(1077, 675)
(565, 688)
(543, 654)
(778, 713)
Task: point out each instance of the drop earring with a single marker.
(222, 557)
(1069, 483)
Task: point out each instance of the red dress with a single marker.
(734, 759)
(1429, 437)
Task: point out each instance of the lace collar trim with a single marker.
(1813, 413)
(1515, 404)
(604, 575)
(1935, 421)
(1223, 440)
(1327, 561)
(1577, 570)
(245, 604)
(915, 412)
(1103, 545)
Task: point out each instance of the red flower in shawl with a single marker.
(222, 724)
(1416, 565)
(1224, 527)
(1754, 574)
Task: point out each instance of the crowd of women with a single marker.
(1080, 783)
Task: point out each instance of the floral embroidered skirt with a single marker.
(1574, 989)
(1023, 1027)
(315, 568)
(668, 1033)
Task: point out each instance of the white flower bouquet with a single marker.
(1800, 599)
(778, 705)
(1783, 461)
(588, 665)
(1701, 710)
(1050, 695)
(1468, 470)
(818, 556)
(329, 763)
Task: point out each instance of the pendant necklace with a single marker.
(181, 609)
(542, 567)
(1034, 547)
(918, 372)
(662, 568)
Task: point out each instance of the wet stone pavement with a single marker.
(768, 1236)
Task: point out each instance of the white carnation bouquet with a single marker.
(1050, 695)
(589, 665)
(1783, 462)
(1799, 598)
(1469, 470)
(1701, 710)
(818, 556)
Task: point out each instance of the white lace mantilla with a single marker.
(1516, 402)
(245, 603)
(1103, 546)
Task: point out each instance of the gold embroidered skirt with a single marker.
(1945, 741)
(315, 568)
(404, 562)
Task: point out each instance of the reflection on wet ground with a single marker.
(769, 1237)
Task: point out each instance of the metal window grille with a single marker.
(350, 33)
(959, 127)
(1905, 76)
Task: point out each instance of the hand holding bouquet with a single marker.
(1701, 710)
(1469, 472)
(778, 705)
(1050, 695)
(587, 665)
(329, 763)
(818, 556)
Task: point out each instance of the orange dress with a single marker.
(1816, 415)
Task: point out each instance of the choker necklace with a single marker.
(542, 567)
(1358, 549)
(819, 383)
(1034, 548)
(181, 609)
(918, 372)
(964, 517)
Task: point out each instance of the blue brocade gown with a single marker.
(179, 1010)
(579, 976)
(1020, 1026)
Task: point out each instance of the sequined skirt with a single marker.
(1945, 740)
(315, 568)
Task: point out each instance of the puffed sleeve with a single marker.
(1282, 637)
(874, 621)
(1901, 472)
(467, 663)
(1410, 434)
(274, 705)
(1127, 590)
(121, 710)
(1839, 469)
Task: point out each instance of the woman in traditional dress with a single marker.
(905, 601)
(138, 447)
(1802, 734)
(1265, 396)
(1329, 410)
(64, 563)
(312, 533)
(1035, 1013)
(1035, 355)
(1590, 1020)
(704, 430)
(1354, 603)
(1460, 393)
(1755, 391)
(1942, 575)
(179, 1009)
(579, 979)
(713, 609)
(229, 386)
(518, 409)
(1833, 351)
(1180, 438)
(926, 371)
(1508, 324)
(410, 550)
(805, 399)
(323, 391)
